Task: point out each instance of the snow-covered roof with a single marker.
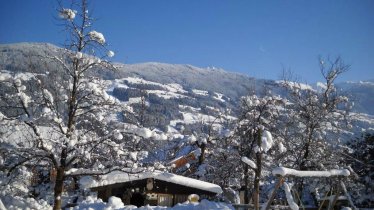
(120, 177)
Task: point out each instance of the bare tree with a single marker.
(316, 119)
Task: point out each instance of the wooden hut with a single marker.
(153, 188)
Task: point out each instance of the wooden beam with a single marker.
(332, 204)
(347, 195)
(270, 200)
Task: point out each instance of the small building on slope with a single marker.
(153, 188)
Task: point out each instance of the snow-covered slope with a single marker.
(178, 96)
(362, 92)
(191, 77)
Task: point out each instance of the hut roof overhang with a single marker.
(122, 177)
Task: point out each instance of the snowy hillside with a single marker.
(362, 93)
(177, 118)
(180, 94)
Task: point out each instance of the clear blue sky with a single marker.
(257, 38)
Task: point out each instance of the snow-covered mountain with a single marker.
(362, 92)
(181, 95)
(190, 77)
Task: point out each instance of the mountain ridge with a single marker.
(213, 80)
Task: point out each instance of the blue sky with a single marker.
(257, 38)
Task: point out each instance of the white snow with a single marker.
(289, 197)
(192, 118)
(166, 91)
(110, 53)
(135, 100)
(189, 108)
(5, 75)
(2, 207)
(361, 82)
(266, 141)
(321, 85)
(24, 76)
(97, 36)
(172, 87)
(218, 97)
(17, 82)
(297, 85)
(192, 139)
(79, 55)
(48, 95)
(137, 80)
(117, 135)
(19, 203)
(200, 92)
(67, 14)
(281, 147)
(92, 203)
(118, 177)
(115, 203)
(143, 132)
(249, 162)
(25, 98)
(165, 94)
(159, 136)
(292, 172)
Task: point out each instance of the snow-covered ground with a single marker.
(200, 92)
(116, 203)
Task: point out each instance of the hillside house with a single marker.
(153, 188)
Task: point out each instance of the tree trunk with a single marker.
(303, 167)
(246, 184)
(256, 193)
(202, 155)
(59, 186)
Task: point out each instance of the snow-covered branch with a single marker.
(249, 162)
(282, 171)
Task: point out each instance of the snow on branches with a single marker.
(266, 141)
(282, 171)
(97, 36)
(67, 119)
(249, 162)
(110, 53)
(67, 14)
